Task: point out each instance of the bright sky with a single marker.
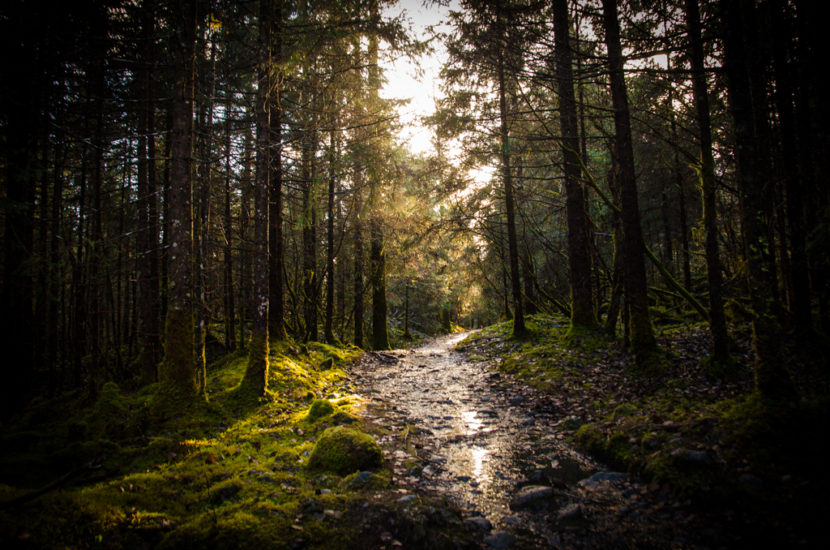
(418, 81)
(406, 81)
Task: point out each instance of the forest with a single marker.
(227, 276)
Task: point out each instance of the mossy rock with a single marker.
(343, 451)
(319, 409)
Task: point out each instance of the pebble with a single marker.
(512, 521)
(500, 539)
(692, 456)
(406, 499)
(572, 511)
(363, 477)
(530, 495)
(478, 523)
(601, 477)
(751, 482)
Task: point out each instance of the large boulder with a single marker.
(343, 451)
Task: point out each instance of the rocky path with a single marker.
(492, 446)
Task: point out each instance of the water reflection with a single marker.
(479, 455)
(474, 423)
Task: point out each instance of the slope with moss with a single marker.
(711, 441)
(230, 472)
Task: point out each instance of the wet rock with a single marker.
(406, 499)
(571, 512)
(751, 482)
(690, 456)
(500, 540)
(512, 521)
(478, 523)
(363, 477)
(532, 494)
(572, 423)
(601, 477)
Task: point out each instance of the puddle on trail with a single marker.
(483, 435)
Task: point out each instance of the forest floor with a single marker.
(549, 441)
(717, 466)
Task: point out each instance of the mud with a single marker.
(494, 448)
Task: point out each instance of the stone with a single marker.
(319, 409)
(572, 511)
(406, 499)
(478, 523)
(512, 521)
(532, 494)
(363, 477)
(342, 451)
(691, 456)
(601, 477)
(500, 540)
(751, 482)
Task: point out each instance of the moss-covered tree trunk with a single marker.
(359, 305)
(519, 328)
(771, 378)
(147, 237)
(177, 372)
(256, 372)
(636, 297)
(276, 313)
(329, 319)
(793, 173)
(579, 250)
(377, 254)
(717, 319)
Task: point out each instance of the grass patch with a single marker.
(228, 472)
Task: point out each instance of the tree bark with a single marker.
(329, 321)
(377, 254)
(771, 378)
(177, 371)
(519, 328)
(276, 259)
(579, 250)
(256, 372)
(636, 297)
(717, 319)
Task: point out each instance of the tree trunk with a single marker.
(792, 171)
(276, 316)
(309, 236)
(359, 305)
(579, 250)
(519, 328)
(21, 123)
(256, 372)
(177, 371)
(227, 222)
(717, 319)
(636, 297)
(771, 378)
(377, 254)
(329, 321)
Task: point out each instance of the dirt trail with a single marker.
(492, 446)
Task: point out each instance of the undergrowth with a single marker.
(712, 441)
(227, 472)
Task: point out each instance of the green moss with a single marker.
(319, 408)
(177, 372)
(343, 451)
(256, 371)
